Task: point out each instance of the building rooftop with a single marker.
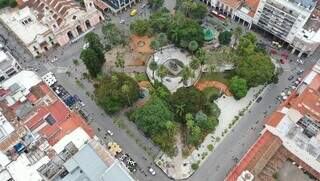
(252, 5)
(22, 21)
(22, 170)
(309, 4)
(232, 3)
(6, 60)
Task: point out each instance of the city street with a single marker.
(218, 164)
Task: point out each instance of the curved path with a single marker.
(215, 84)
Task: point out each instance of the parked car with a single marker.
(151, 170)
(259, 99)
(300, 61)
(110, 132)
(300, 72)
(290, 77)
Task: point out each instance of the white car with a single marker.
(122, 21)
(110, 132)
(300, 61)
(54, 60)
(152, 172)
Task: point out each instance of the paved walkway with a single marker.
(216, 84)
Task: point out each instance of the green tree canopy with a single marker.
(155, 4)
(188, 100)
(191, 9)
(153, 66)
(95, 44)
(7, 3)
(112, 95)
(155, 44)
(92, 61)
(114, 35)
(140, 27)
(119, 61)
(256, 69)
(238, 87)
(156, 120)
(225, 37)
(193, 46)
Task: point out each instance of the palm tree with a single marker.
(186, 73)
(153, 66)
(194, 65)
(162, 72)
(119, 61)
(180, 109)
(193, 46)
(212, 68)
(163, 40)
(125, 90)
(237, 33)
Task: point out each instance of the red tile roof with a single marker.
(307, 103)
(66, 127)
(274, 119)
(65, 122)
(253, 156)
(315, 83)
(57, 110)
(252, 4)
(231, 3)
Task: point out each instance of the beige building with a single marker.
(42, 24)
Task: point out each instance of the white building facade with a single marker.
(292, 21)
(8, 65)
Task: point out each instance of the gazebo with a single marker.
(209, 34)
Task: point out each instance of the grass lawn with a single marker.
(223, 77)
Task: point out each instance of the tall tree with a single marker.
(140, 27)
(125, 90)
(119, 61)
(114, 35)
(193, 46)
(162, 72)
(256, 69)
(225, 37)
(163, 40)
(92, 62)
(155, 4)
(112, 95)
(237, 32)
(155, 44)
(238, 87)
(186, 73)
(153, 66)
